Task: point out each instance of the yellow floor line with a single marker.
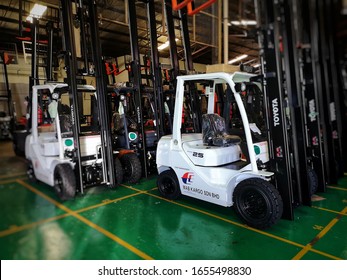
(325, 254)
(88, 222)
(138, 190)
(12, 175)
(309, 246)
(237, 224)
(329, 210)
(10, 180)
(16, 229)
(107, 202)
(337, 188)
(229, 221)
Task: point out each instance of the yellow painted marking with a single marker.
(337, 188)
(89, 223)
(107, 202)
(229, 221)
(309, 246)
(12, 175)
(9, 181)
(329, 210)
(317, 227)
(237, 224)
(15, 229)
(138, 190)
(325, 254)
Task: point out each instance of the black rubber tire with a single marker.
(119, 170)
(132, 169)
(31, 173)
(312, 181)
(258, 203)
(168, 185)
(18, 152)
(64, 181)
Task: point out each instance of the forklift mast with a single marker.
(154, 88)
(72, 71)
(275, 98)
(182, 17)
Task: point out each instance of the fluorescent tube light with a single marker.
(236, 59)
(37, 11)
(165, 45)
(256, 65)
(243, 22)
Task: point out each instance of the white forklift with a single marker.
(210, 166)
(55, 156)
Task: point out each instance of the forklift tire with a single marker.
(312, 181)
(258, 203)
(18, 152)
(119, 171)
(31, 173)
(168, 185)
(64, 181)
(132, 170)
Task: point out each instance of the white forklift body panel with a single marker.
(209, 173)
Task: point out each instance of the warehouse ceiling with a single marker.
(114, 29)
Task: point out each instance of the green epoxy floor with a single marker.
(134, 222)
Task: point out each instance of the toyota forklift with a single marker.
(209, 165)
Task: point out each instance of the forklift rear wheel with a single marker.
(31, 173)
(18, 152)
(64, 181)
(168, 185)
(258, 203)
(119, 171)
(312, 180)
(132, 170)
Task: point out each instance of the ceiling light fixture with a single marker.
(236, 59)
(165, 45)
(256, 65)
(243, 22)
(36, 12)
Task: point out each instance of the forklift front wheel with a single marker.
(64, 181)
(168, 185)
(258, 203)
(119, 170)
(132, 170)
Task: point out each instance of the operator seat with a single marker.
(214, 133)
